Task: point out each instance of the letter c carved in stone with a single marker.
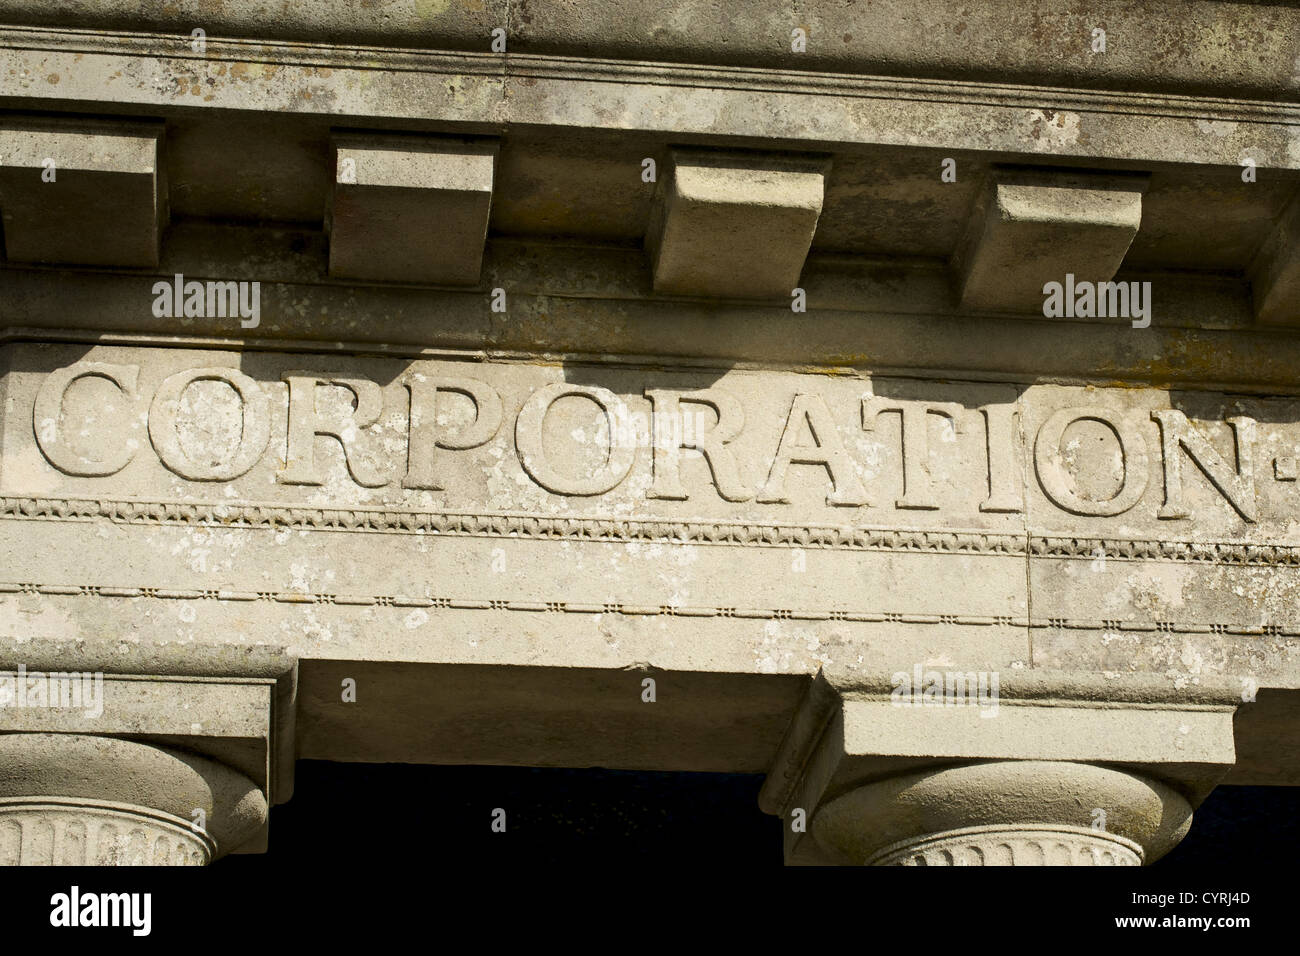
(48, 411)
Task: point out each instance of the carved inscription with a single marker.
(743, 446)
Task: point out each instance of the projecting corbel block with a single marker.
(1275, 272)
(1031, 227)
(83, 192)
(734, 225)
(410, 208)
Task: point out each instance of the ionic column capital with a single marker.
(75, 799)
(1046, 768)
(1005, 813)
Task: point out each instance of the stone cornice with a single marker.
(484, 92)
(641, 72)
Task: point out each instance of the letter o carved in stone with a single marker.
(255, 430)
(1055, 482)
(529, 441)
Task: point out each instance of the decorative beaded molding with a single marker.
(666, 610)
(277, 517)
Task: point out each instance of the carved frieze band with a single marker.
(620, 530)
(637, 610)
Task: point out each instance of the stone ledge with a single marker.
(1168, 45)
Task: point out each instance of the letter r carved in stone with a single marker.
(300, 466)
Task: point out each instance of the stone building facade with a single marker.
(900, 400)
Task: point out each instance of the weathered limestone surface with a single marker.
(531, 518)
(1052, 790)
(1110, 508)
(519, 430)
